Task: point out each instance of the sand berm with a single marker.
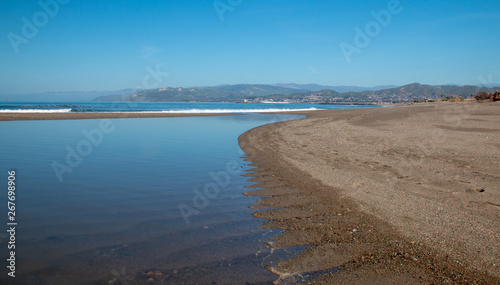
(398, 195)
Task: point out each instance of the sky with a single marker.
(77, 45)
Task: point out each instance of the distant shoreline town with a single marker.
(277, 93)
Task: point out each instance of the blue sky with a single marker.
(109, 45)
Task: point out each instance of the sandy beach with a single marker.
(400, 195)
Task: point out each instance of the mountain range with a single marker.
(282, 92)
(235, 92)
(340, 89)
(298, 93)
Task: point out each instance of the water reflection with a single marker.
(115, 216)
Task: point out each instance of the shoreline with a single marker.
(318, 172)
(407, 194)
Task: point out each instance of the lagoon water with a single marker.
(116, 215)
(140, 201)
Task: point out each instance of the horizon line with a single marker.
(274, 84)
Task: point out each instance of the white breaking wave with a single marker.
(218, 111)
(191, 111)
(36, 111)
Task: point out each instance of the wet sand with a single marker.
(401, 195)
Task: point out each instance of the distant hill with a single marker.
(418, 91)
(295, 94)
(259, 89)
(404, 93)
(340, 89)
(227, 93)
(290, 92)
(184, 95)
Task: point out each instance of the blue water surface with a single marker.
(117, 209)
(169, 107)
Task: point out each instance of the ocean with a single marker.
(136, 201)
(143, 107)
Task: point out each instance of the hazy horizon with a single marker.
(200, 87)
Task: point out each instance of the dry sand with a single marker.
(401, 195)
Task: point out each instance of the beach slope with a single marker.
(406, 194)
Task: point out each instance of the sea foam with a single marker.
(218, 111)
(35, 111)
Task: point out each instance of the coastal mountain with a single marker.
(228, 93)
(260, 89)
(180, 94)
(294, 93)
(404, 93)
(418, 91)
(340, 89)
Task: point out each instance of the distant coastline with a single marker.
(255, 93)
(258, 93)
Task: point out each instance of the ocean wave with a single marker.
(218, 111)
(35, 111)
(185, 111)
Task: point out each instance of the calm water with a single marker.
(113, 216)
